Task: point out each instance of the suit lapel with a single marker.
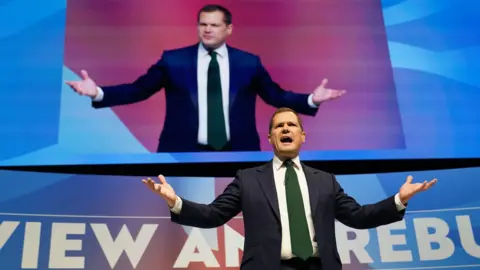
(192, 59)
(267, 183)
(313, 186)
(234, 72)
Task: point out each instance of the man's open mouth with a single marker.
(286, 139)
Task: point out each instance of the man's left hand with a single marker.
(409, 189)
(322, 93)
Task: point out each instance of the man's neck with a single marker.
(212, 47)
(282, 158)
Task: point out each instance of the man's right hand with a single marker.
(163, 189)
(85, 87)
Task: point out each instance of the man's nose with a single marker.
(285, 130)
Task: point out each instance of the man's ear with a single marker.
(270, 138)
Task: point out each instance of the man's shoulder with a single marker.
(316, 171)
(246, 172)
(240, 51)
(242, 55)
(181, 51)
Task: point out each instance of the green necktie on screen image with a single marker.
(216, 130)
(299, 234)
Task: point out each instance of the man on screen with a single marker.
(289, 209)
(211, 90)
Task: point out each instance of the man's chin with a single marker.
(210, 44)
(289, 151)
(287, 146)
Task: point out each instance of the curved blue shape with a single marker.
(29, 85)
(31, 13)
(412, 10)
(389, 3)
(84, 130)
(30, 182)
(451, 28)
(460, 65)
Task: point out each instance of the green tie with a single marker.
(217, 134)
(299, 234)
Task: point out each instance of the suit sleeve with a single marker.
(226, 206)
(142, 88)
(368, 216)
(275, 96)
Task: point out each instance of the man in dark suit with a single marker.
(288, 208)
(210, 89)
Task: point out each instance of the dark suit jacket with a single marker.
(253, 192)
(176, 71)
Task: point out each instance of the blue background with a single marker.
(123, 200)
(434, 49)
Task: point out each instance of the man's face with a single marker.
(212, 29)
(286, 135)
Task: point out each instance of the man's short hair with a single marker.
(227, 15)
(282, 110)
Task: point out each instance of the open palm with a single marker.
(409, 189)
(163, 189)
(322, 93)
(85, 87)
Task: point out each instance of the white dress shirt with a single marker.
(202, 74)
(279, 171)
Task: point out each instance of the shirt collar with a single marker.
(277, 163)
(221, 51)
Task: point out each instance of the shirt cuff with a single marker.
(310, 101)
(99, 96)
(398, 203)
(177, 207)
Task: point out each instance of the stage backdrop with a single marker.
(60, 221)
(410, 67)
